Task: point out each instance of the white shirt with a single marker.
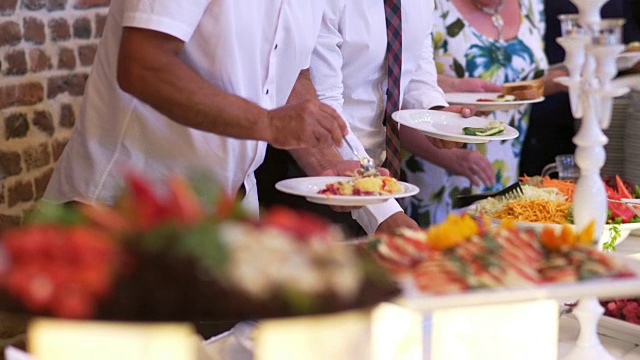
(251, 48)
(349, 71)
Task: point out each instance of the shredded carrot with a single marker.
(540, 211)
(564, 186)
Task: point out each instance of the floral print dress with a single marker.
(461, 51)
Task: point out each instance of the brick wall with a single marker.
(46, 51)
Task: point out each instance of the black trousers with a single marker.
(279, 165)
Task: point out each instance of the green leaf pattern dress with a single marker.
(460, 51)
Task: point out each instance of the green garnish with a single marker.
(614, 235)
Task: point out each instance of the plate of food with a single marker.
(454, 127)
(489, 101)
(346, 190)
(629, 57)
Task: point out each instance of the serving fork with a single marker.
(511, 192)
(366, 163)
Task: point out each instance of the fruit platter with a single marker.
(469, 262)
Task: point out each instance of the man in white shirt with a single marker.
(348, 69)
(199, 85)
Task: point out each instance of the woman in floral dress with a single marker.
(473, 53)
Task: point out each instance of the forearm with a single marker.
(447, 83)
(418, 144)
(312, 161)
(156, 75)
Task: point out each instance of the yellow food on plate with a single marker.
(363, 186)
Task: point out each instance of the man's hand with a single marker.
(472, 165)
(397, 221)
(310, 123)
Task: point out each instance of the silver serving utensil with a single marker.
(366, 163)
(629, 203)
(511, 192)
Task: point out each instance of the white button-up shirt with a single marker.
(349, 71)
(251, 48)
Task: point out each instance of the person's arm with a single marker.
(452, 84)
(149, 68)
(326, 76)
(467, 163)
(422, 90)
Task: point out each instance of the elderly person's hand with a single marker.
(310, 123)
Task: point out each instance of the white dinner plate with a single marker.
(627, 60)
(467, 98)
(448, 126)
(309, 187)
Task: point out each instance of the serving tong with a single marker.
(629, 203)
(511, 192)
(366, 163)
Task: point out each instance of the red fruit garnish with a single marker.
(302, 225)
(184, 203)
(74, 302)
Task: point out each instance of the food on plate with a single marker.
(633, 46)
(565, 187)
(623, 309)
(493, 127)
(616, 189)
(463, 254)
(363, 186)
(524, 90)
(545, 205)
(499, 98)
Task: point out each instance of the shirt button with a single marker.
(275, 47)
(267, 92)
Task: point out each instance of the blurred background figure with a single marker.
(478, 46)
(552, 125)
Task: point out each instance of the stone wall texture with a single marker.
(46, 52)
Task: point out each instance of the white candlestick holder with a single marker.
(575, 55)
(594, 92)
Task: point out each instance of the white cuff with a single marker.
(370, 217)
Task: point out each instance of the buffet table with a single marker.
(231, 346)
(622, 343)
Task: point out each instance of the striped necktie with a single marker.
(394, 64)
